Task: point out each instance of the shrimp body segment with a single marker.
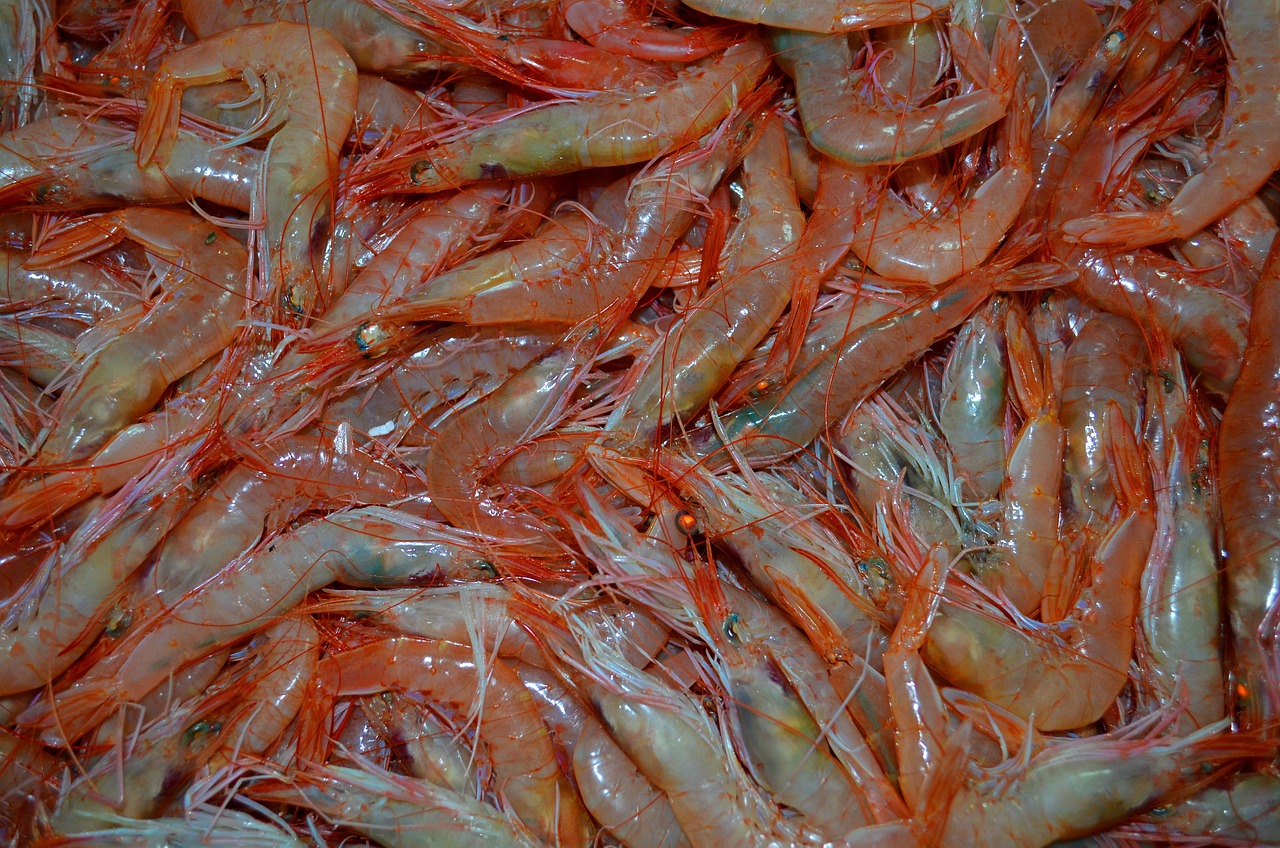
(1248, 453)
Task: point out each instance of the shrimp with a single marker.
(972, 410)
(1060, 682)
(1101, 369)
(482, 615)
(21, 54)
(1029, 530)
(198, 827)
(828, 16)
(611, 129)
(377, 41)
(254, 497)
(787, 418)
(314, 88)
(686, 367)
(799, 565)
(1243, 155)
(1181, 613)
(396, 811)
(840, 121)
(123, 379)
(423, 745)
(371, 547)
(620, 797)
(472, 438)
(616, 26)
(524, 764)
(958, 234)
(87, 289)
(1242, 808)
(64, 163)
(43, 626)
(1247, 445)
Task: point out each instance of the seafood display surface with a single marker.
(669, 424)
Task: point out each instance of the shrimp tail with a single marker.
(68, 715)
(75, 243)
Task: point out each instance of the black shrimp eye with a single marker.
(118, 623)
(370, 335)
(730, 627)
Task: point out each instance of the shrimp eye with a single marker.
(370, 335)
(418, 169)
(759, 388)
(200, 728)
(488, 569)
(1113, 41)
(687, 523)
(211, 238)
(118, 622)
(730, 627)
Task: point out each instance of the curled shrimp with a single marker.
(125, 377)
(614, 129)
(1061, 682)
(841, 122)
(1243, 156)
(314, 88)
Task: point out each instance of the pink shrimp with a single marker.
(1243, 156)
(372, 547)
(1066, 681)
(125, 377)
(523, 761)
(315, 95)
(1247, 446)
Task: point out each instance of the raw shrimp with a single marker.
(1060, 682)
(620, 797)
(371, 547)
(824, 16)
(88, 289)
(958, 233)
(1247, 446)
(1101, 369)
(972, 409)
(474, 439)
(610, 129)
(1243, 156)
(1029, 529)
(1181, 613)
(841, 122)
(64, 163)
(695, 358)
(423, 745)
(800, 566)
(523, 761)
(43, 627)
(314, 93)
(785, 419)
(274, 483)
(616, 26)
(123, 379)
(396, 811)
(1244, 808)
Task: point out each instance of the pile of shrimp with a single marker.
(663, 425)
